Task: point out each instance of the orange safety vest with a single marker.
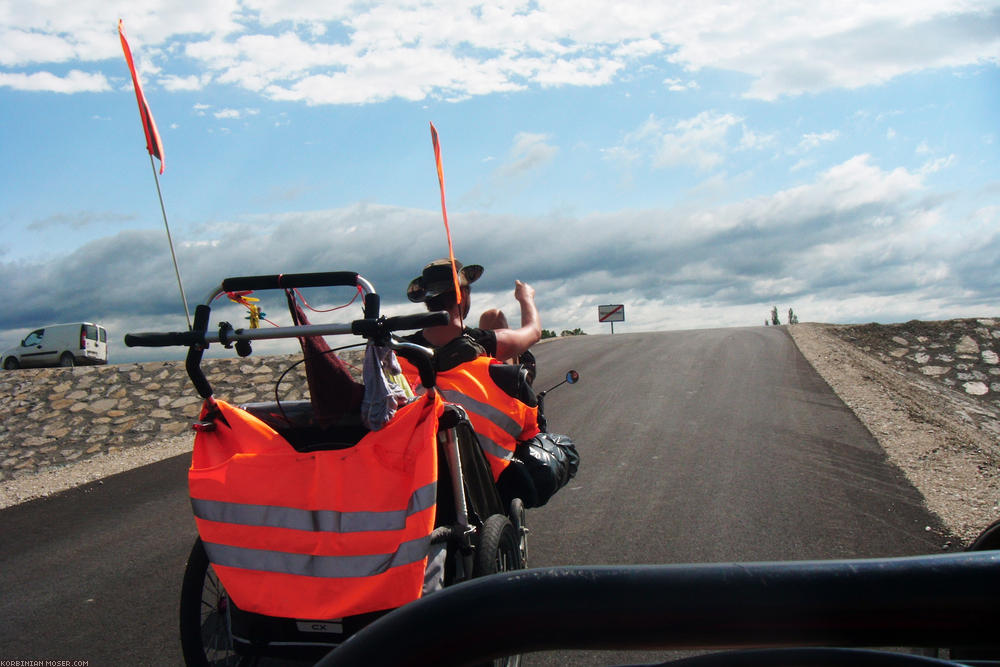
(499, 419)
(317, 535)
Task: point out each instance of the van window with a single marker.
(34, 338)
(91, 332)
(104, 334)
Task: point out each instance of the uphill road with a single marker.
(697, 446)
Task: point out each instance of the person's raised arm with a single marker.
(512, 342)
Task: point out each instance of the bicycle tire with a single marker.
(498, 548)
(204, 625)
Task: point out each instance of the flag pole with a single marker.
(155, 149)
(170, 241)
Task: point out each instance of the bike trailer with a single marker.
(313, 522)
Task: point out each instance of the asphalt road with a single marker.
(697, 446)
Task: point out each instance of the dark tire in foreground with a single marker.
(499, 550)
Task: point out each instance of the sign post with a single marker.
(611, 313)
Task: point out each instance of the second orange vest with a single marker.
(499, 419)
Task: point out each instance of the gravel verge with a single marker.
(47, 482)
(923, 427)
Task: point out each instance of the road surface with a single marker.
(697, 446)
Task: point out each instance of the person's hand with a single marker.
(523, 292)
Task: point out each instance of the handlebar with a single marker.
(292, 280)
(165, 339)
(368, 328)
(373, 328)
(296, 280)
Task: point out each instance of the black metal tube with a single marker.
(290, 280)
(941, 600)
(195, 352)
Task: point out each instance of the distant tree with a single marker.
(792, 317)
(548, 333)
(575, 332)
(774, 316)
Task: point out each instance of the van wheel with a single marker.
(10, 364)
(67, 360)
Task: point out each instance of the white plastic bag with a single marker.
(386, 388)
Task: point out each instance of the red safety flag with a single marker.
(444, 210)
(153, 143)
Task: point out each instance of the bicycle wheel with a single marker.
(204, 617)
(519, 518)
(499, 548)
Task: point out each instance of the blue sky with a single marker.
(697, 162)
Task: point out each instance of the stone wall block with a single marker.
(90, 410)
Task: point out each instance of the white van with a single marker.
(59, 345)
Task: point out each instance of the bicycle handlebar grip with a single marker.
(166, 339)
(291, 280)
(423, 362)
(420, 321)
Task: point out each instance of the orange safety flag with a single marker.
(320, 534)
(444, 210)
(153, 143)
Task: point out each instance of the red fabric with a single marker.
(153, 144)
(444, 210)
(332, 390)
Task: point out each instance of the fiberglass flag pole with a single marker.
(155, 149)
(444, 210)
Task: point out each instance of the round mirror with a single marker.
(572, 377)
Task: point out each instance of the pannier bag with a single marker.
(321, 534)
(550, 460)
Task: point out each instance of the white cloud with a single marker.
(24, 47)
(813, 140)
(679, 85)
(937, 165)
(857, 243)
(74, 82)
(804, 163)
(344, 52)
(172, 83)
(702, 141)
(529, 152)
(836, 45)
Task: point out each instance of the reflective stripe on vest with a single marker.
(325, 521)
(306, 565)
(498, 417)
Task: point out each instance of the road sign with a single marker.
(614, 312)
(611, 313)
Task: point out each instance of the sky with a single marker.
(698, 162)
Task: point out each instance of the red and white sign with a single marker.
(611, 313)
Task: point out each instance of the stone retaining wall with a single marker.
(52, 416)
